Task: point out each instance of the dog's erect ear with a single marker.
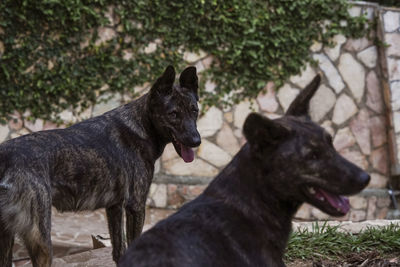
(165, 82)
(188, 79)
(261, 131)
(300, 105)
(168, 76)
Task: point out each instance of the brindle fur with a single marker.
(243, 218)
(103, 162)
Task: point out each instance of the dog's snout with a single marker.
(196, 140)
(191, 140)
(364, 178)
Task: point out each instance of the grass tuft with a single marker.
(328, 242)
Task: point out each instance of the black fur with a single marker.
(244, 216)
(104, 162)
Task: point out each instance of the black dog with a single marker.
(244, 216)
(104, 162)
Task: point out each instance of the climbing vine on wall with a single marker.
(57, 54)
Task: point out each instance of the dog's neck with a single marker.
(135, 115)
(239, 186)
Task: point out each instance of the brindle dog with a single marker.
(244, 216)
(103, 162)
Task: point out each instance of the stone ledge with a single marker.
(93, 258)
(162, 178)
(363, 3)
(393, 215)
(388, 8)
(171, 192)
(378, 192)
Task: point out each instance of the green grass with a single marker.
(327, 242)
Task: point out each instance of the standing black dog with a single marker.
(244, 216)
(104, 162)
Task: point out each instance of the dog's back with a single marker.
(243, 218)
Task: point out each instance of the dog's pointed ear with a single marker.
(165, 82)
(168, 76)
(300, 105)
(261, 131)
(188, 79)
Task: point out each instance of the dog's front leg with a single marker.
(6, 246)
(134, 223)
(115, 226)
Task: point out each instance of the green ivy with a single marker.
(45, 68)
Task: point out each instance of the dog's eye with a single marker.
(173, 115)
(314, 155)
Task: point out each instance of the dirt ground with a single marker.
(73, 243)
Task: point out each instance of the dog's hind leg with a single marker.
(115, 226)
(37, 238)
(134, 223)
(6, 246)
(39, 247)
(6, 233)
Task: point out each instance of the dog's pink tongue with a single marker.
(340, 203)
(187, 153)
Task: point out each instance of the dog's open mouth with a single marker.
(329, 202)
(185, 152)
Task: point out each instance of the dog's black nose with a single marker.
(196, 141)
(364, 178)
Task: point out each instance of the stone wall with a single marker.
(349, 104)
(390, 62)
